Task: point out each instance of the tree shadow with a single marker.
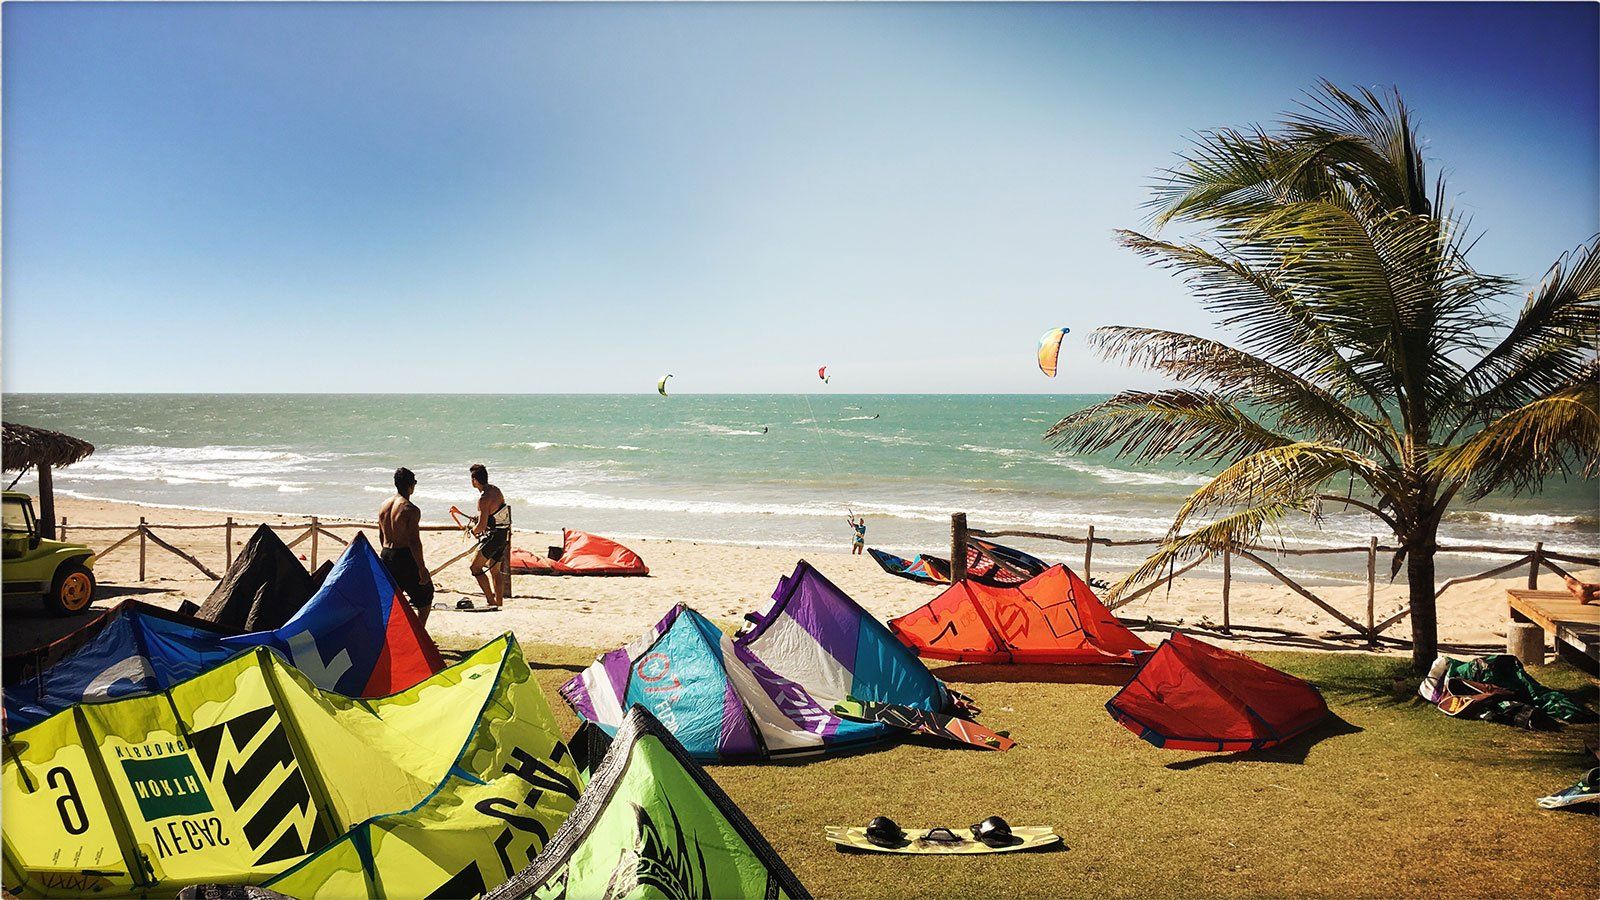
(991, 673)
(1293, 752)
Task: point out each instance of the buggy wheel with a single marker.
(71, 591)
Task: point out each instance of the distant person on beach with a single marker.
(858, 542)
(401, 539)
(492, 525)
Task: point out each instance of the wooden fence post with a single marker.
(141, 548)
(227, 542)
(63, 528)
(1088, 555)
(958, 547)
(314, 543)
(1533, 565)
(1372, 589)
(502, 572)
(1227, 587)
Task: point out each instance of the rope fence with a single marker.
(1371, 629)
(311, 532)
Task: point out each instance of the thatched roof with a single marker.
(28, 446)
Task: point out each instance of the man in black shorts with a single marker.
(398, 530)
(492, 526)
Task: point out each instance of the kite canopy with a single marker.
(581, 554)
(921, 568)
(661, 386)
(1189, 695)
(816, 637)
(987, 563)
(1050, 350)
(720, 703)
(264, 587)
(1052, 618)
(356, 636)
(233, 776)
(652, 823)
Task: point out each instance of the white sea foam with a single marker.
(1111, 475)
(1525, 520)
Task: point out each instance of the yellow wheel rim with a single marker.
(75, 591)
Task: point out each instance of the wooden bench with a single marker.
(1573, 627)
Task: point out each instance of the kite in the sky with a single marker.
(822, 373)
(661, 386)
(1050, 350)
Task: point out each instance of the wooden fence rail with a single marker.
(1534, 559)
(311, 530)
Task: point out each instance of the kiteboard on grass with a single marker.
(942, 840)
(923, 721)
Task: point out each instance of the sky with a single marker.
(536, 198)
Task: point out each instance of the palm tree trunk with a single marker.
(1424, 612)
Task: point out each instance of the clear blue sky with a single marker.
(530, 198)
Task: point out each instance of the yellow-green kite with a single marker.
(248, 771)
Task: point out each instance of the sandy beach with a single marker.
(724, 582)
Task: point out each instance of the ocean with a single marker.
(766, 470)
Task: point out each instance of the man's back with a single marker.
(392, 515)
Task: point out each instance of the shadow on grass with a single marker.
(1293, 753)
(989, 673)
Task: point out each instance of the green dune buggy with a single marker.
(60, 573)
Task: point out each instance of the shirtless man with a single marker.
(398, 532)
(495, 536)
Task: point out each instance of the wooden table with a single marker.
(1574, 627)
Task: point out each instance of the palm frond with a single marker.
(1367, 141)
(1239, 527)
(1295, 401)
(1271, 319)
(1290, 475)
(1153, 425)
(1559, 432)
(1548, 346)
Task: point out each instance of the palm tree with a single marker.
(1368, 366)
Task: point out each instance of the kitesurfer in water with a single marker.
(401, 541)
(858, 542)
(492, 525)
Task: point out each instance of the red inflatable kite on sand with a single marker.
(581, 554)
(1052, 617)
(1189, 695)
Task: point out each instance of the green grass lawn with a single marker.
(1391, 798)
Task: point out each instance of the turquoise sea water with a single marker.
(771, 470)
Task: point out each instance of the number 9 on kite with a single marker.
(1050, 350)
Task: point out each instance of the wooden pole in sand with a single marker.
(1088, 555)
(1227, 587)
(227, 542)
(47, 503)
(141, 548)
(1533, 565)
(958, 547)
(63, 531)
(1372, 589)
(502, 572)
(314, 530)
